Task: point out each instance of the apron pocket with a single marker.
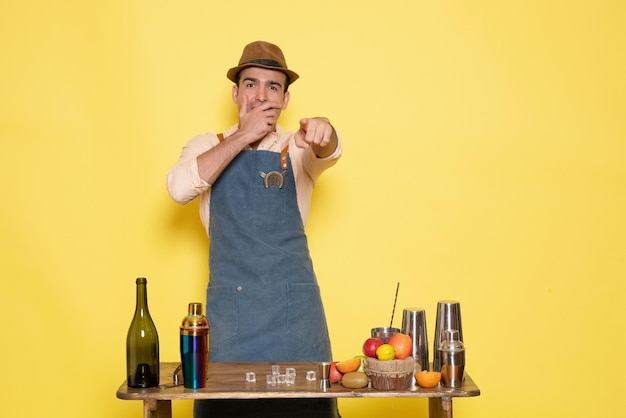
(308, 331)
(222, 314)
(269, 207)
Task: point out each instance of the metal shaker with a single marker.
(194, 347)
(452, 360)
(448, 317)
(414, 325)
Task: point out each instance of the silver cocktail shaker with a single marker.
(414, 325)
(448, 317)
(452, 360)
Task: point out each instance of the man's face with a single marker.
(259, 86)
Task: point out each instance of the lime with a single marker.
(385, 352)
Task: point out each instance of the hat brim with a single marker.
(232, 73)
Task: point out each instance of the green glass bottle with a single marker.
(142, 344)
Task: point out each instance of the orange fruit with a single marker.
(385, 352)
(348, 366)
(403, 345)
(427, 379)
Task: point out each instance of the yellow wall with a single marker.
(485, 161)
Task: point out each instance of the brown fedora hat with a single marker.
(264, 55)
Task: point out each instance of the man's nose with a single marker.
(261, 95)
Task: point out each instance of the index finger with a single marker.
(244, 105)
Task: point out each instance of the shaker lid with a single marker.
(195, 308)
(194, 318)
(452, 342)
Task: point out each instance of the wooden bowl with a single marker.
(390, 374)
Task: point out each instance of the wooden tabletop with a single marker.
(228, 381)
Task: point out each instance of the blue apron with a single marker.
(263, 300)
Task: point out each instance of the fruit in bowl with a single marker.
(371, 345)
(385, 352)
(402, 344)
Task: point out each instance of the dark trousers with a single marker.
(267, 408)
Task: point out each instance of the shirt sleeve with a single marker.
(183, 181)
(307, 169)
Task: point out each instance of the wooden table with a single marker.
(228, 381)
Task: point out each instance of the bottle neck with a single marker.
(141, 307)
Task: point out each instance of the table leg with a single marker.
(439, 407)
(153, 408)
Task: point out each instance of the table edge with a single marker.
(336, 391)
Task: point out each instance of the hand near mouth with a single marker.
(258, 119)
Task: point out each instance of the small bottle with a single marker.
(452, 360)
(142, 344)
(194, 347)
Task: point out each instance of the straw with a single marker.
(393, 311)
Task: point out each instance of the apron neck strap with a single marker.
(283, 152)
